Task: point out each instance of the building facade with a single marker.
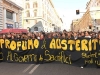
(94, 7)
(84, 23)
(74, 24)
(40, 15)
(90, 20)
(10, 15)
(93, 3)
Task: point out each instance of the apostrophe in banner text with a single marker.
(25, 58)
(60, 57)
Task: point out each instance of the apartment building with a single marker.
(85, 23)
(40, 15)
(94, 7)
(74, 24)
(10, 15)
(93, 3)
(90, 21)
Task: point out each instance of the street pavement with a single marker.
(45, 69)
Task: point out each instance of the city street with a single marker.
(45, 69)
(48, 34)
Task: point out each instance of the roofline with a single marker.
(88, 3)
(9, 1)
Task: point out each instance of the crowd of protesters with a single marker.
(49, 35)
(45, 35)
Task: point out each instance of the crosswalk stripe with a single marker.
(28, 68)
(34, 69)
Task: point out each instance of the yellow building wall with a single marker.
(84, 22)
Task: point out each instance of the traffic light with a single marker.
(77, 12)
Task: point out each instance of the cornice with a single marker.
(14, 4)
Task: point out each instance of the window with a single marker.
(35, 28)
(27, 5)
(27, 14)
(9, 15)
(9, 25)
(43, 15)
(35, 5)
(35, 12)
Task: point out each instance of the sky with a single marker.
(67, 10)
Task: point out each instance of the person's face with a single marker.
(99, 36)
(29, 34)
(54, 34)
(63, 36)
(69, 34)
(18, 36)
(8, 35)
(75, 34)
(86, 33)
(58, 34)
(4, 36)
(82, 34)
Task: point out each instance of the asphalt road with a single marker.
(45, 69)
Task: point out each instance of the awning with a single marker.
(14, 31)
